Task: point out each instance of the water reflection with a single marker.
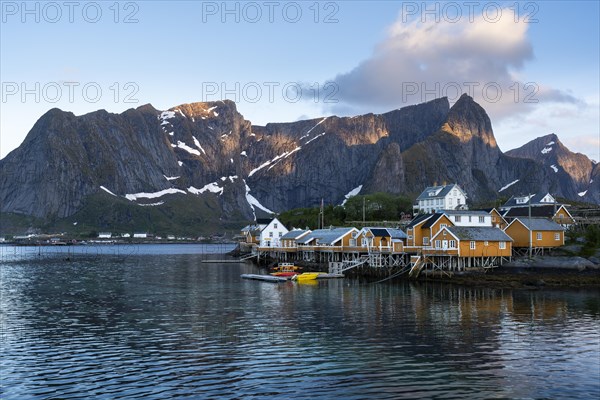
(170, 326)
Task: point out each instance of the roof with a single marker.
(431, 221)
(418, 219)
(295, 234)
(387, 232)
(534, 199)
(397, 233)
(539, 224)
(441, 191)
(479, 233)
(325, 236)
(546, 211)
(379, 232)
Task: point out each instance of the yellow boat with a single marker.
(306, 276)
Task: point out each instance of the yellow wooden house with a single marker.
(557, 212)
(542, 232)
(378, 239)
(467, 241)
(421, 229)
(290, 239)
(498, 220)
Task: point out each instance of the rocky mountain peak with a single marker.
(467, 120)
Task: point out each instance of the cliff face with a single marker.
(572, 172)
(147, 157)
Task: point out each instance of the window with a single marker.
(425, 240)
(442, 226)
(472, 245)
(502, 245)
(469, 218)
(438, 244)
(485, 243)
(481, 219)
(275, 225)
(557, 236)
(270, 234)
(280, 234)
(450, 201)
(457, 218)
(410, 237)
(538, 236)
(453, 244)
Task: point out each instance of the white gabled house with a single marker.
(271, 234)
(539, 199)
(438, 198)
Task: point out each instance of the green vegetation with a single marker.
(377, 207)
(592, 241)
(179, 216)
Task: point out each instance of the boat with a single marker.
(285, 270)
(329, 276)
(306, 276)
(266, 278)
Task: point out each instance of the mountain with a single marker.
(200, 167)
(574, 171)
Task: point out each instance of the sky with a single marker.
(533, 66)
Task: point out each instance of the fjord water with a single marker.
(154, 321)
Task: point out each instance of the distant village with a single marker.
(444, 235)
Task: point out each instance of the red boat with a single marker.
(285, 270)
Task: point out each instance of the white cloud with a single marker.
(420, 61)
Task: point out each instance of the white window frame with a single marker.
(438, 244)
(502, 245)
(481, 219)
(452, 244)
(425, 240)
(538, 236)
(557, 236)
(472, 245)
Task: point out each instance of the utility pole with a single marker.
(530, 230)
(364, 211)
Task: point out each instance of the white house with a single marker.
(540, 199)
(104, 235)
(469, 218)
(270, 235)
(437, 198)
(140, 235)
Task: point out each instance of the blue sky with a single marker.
(362, 56)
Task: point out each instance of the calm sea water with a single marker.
(156, 322)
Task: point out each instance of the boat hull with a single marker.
(265, 278)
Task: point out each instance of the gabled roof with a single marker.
(546, 211)
(325, 236)
(253, 228)
(419, 219)
(379, 232)
(295, 234)
(431, 221)
(386, 232)
(397, 233)
(479, 233)
(438, 192)
(538, 224)
(534, 199)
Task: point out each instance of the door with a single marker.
(445, 244)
